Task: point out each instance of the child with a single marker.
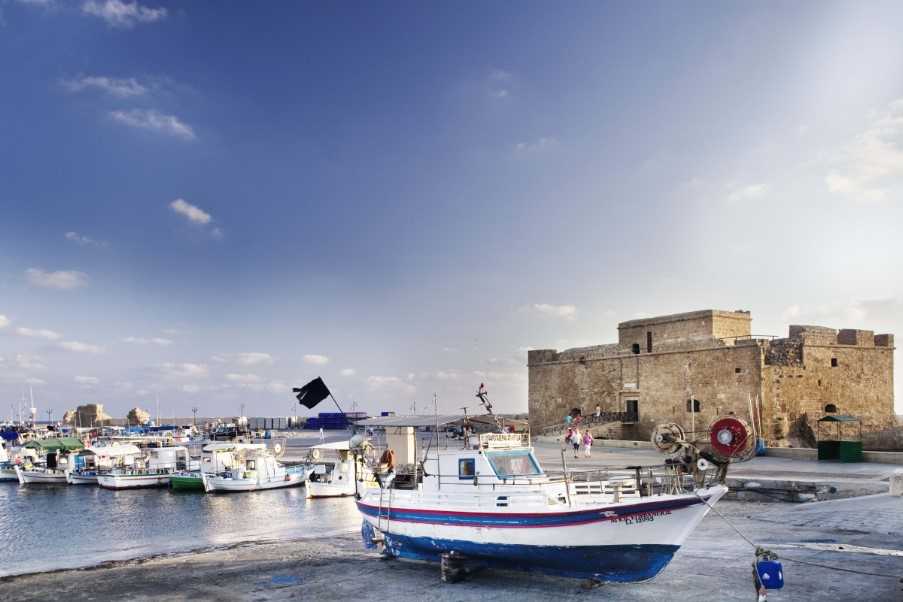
(587, 443)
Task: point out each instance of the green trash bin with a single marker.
(840, 438)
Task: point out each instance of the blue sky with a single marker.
(208, 203)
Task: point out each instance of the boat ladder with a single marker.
(385, 507)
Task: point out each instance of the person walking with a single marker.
(587, 443)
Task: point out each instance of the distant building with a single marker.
(692, 367)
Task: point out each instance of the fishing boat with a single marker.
(46, 461)
(491, 501)
(153, 470)
(7, 464)
(253, 467)
(95, 460)
(216, 458)
(335, 471)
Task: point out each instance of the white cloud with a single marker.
(447, 375)
(32, 380)
(499, 82)
(80, 347)
(85, 241)
(190, 388)
(389, 384)
(184, 370)
(62, 280)
(87, 380)
(243, 379)
(568, 312)
(791, 312)
(278, 387)
(150, 119)
(124, 15)
(148, 341)
(536, 146)
(747, 193)
(4, 321)
(254, 358)
(25, 361)
(118, 87)
(192, 212)
(873, 162)
(348, 372)
(38, 333)
(317, 360)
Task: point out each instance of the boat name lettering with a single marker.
(641, 517)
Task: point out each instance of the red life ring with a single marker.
(729, 436)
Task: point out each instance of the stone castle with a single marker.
(692, 367)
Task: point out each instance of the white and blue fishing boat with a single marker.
(490, 500)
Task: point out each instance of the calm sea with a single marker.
(44, 527)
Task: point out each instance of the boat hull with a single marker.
(74, 478)
(8, 474)
(214, 484)
(624, 542)
(133, 481)
(36, 477)
(186, 483)
(317, 489)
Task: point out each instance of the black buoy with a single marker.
(452, 564)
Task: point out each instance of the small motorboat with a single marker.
(153, 471)
(99, 459)
(253, 467)
(40, 475)
(335, 471)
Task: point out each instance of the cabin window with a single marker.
(466, 468)
(513, 464)
(833, 362)
(693, 405)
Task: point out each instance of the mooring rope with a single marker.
(791, 559)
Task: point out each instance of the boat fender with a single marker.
(315, 454)
(703, 464)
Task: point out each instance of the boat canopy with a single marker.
(55, 444)
(415, 421)
(225, 446)
(114, 451)
(336, 445)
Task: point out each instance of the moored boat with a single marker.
(335, 471)
(95, 460)
(252, 468)
(154, 471)
(40, 475)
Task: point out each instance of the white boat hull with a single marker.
(341, 488)
(8, 474)
(134, 481)
(40, 477)
(225, 484)
(627, 541)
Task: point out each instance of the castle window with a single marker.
(636, 347)
(693, 405)
(833, 362)
(648, 342)
(830, 408)
(738, 370)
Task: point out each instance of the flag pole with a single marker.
(335, 402)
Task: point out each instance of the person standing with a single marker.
(567, 419)
(587, 443)
(598, 412)
(575, 441)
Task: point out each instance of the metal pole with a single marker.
(436, 409)
(567, 481)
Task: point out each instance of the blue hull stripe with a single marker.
(623, 563)
(528, 520)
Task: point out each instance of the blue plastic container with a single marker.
(771, 574)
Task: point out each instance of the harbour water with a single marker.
(52, 527)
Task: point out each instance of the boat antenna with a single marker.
(483, 396)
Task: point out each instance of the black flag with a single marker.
(312, 393)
